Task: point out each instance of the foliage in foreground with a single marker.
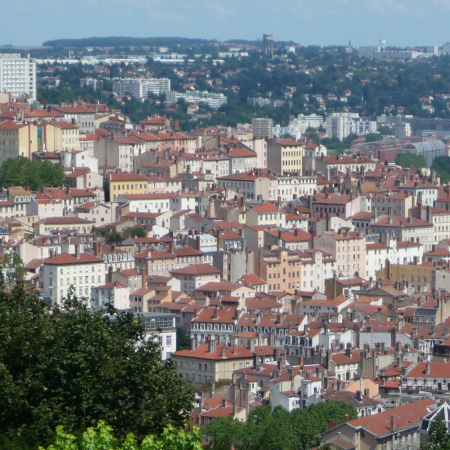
(102, 438)
(74, 367)
(272, 430)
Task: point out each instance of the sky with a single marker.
(306, 22)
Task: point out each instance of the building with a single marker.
(18, 75)
(141, 87)
(211, 362)
(59, 273)
(313, 120)
(211, 99)
(348, 249)
(340, 125)
(17, 139)
(268, 44)
(285, 156)
(127, 183)
(392, 429)
(262, 128)
(406, 229)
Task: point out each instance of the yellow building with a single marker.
(61, 136)
(285, 156)
(17, 139)
(126, 183)
(211, 362)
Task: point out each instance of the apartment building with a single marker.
(392, 429)
(290, 185)
(127, 183)
(83, 117)
(262, 128)
(61, 136)
(285, 156)
(211, 362)
(17, 139)
(18, 75)
(252, 184)
(280, 268)
(141, 87)
(348, 249)
(64, 271)
(406, 229)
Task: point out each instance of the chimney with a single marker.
(212, 345)
(198, 243)
(358, 396)
(331, 424)
(77, 251)
(392, 422)
(224, 402)
(144, 278)
(427, 368)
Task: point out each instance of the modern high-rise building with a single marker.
(141, 87)
(17, 75)
(268, 44)
(262, 128)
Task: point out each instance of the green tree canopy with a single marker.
(22, 171)
(272, 430)
(441, 165)
(410, 160)
(374, 137)
(438, 436)
(74, 367)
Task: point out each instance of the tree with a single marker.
(102, 438)
(373, 137)
(74, 367)
(133, 232)
(22, 171)
(271, 430)
(183, 340)
(410, 160)
(438, 436)
(441, 165)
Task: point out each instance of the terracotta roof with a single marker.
(66, 258)
(201, 352)
(406, 416)
(197, 269)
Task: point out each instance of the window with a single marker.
(168, 340)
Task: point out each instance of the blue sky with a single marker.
(320, 22)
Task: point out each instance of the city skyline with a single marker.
(364, 23)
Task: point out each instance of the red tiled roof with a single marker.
(201, 352)
(66, 258)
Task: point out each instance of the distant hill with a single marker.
(122, 41)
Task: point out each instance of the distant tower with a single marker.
(268, 44)
(383, 44)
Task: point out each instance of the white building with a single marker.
(141, 87)
(79, 158)
(61, 272)
(116, 293)
(340, 125)
(397, 252)
(161, 327)
(313, 120)
(211, 99)
(18, 75)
